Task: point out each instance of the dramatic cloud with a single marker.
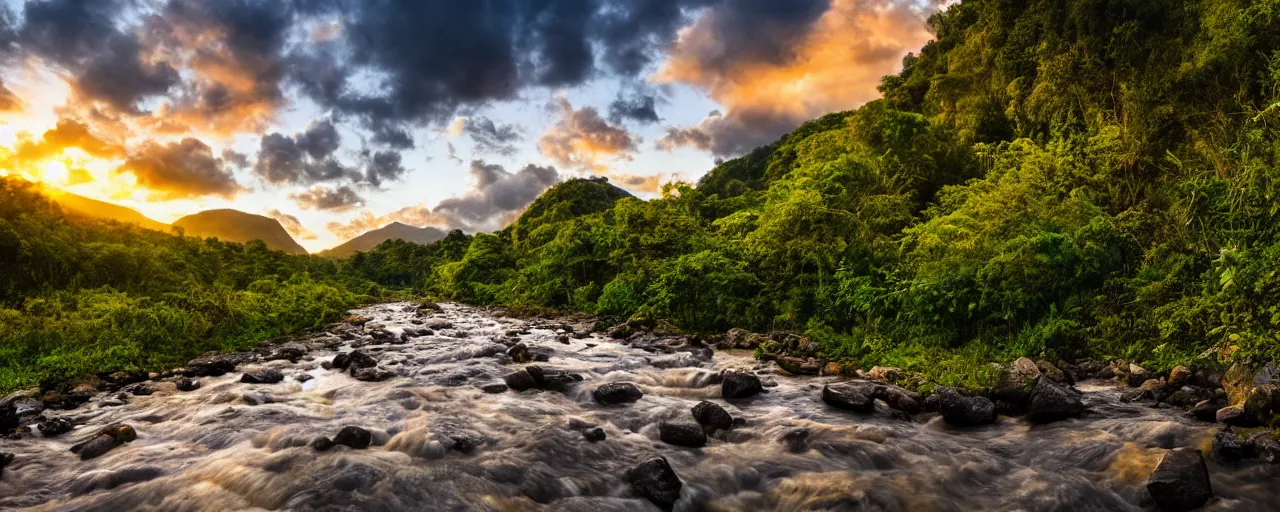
(774, 65)
(581, 139)
(9, 102)
(305, 158)
(383, 165)
(82, 37)
(69, 133)
(490, 137)
(292, 225)
(697, 137)
(639, 107)
(338, 199)
(496, 197)
(180, 170)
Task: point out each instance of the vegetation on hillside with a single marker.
(1049, 178)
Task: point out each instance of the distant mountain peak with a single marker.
(394, 231)
(237, 226)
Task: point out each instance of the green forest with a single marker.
(1048, 178)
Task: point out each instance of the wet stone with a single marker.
(55, 427)
(615, 393)
(1228, 447)
(355, 358)
(655, 481)
(1052, 402)
(213, 366)
(494, 387)
(1180, 481)
(594, 434)
(322, 444)
(139, 389)
(737, 385)
(374, 374)
(849, 397)
(354, 437)
(187, 384)
(712, 417)
(965, 411)
(689, 435)
(263, 376)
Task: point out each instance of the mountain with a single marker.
(103, 210)
(573, 198)
(238, 226)
(393, 231)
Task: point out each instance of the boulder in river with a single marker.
(1233, 415)
(5, 460)
(288, 351)
(355, 358)
(106, 440)
(354, 437)
(965, 411)
(55, 427)
(1240, 379)
(213, 366)
(262, 376)
(187, 384)
(898, 398)
(1265, 447)
(494, 387)
(372, 374)
(519, 353)
(615, 393)
(1017, 380)
(8, 418)
(1138, 375)
(519, 380)
(688, 435)
(849, 397)
(594, 434)
(552, 380)
(1206, 410)
(1052, 402)
(654, 480)
(1228, 447)
(712, 417)
(322, 444)
(736, 384)
(799, 365)
(1180, 481)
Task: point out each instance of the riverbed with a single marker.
(444, 438)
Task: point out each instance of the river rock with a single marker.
(849, 397)
(5, 460)
(736, 385)
(322, 444)
(1179, 376)
(289, 351)
(799, 366)
(898, 398)
(55, 427)
(354, 359)
(553, 380)
(139, 389)
(1228, 446)
(1259, 403)
(655, 481)
(688, 435)
(1206, 410)
(1232, 415)
(494, 387)
(519, 380)
(1047, 369)
(1052, 402)
(263, 376)
(187, 384)
(1180, 481)
(885, 373)
(354, 437)
(594, 434)
(712, 417)
(106, 440)
(8, 418)
(1137, 375)
(519, 353)
(965, 411)
(213, 366)
(615, 393)
(1265, 447)
(374, 374)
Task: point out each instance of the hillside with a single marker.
(237, 226)
(393, 231)
(104, 210)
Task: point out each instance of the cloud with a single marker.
(697, 137)
(433, 58)
(319, 197)
(490, 137)
(383, 165)
(67, 134)
(581, 139)
(497, 196)
(305, 158)
(9, 102)
(637, 106)
(180, 170)
(81, 36)
(292, 225)
(774, 65)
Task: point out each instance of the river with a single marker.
(440, 442)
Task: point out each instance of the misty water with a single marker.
(441, 442)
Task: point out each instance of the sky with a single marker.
(340, 116)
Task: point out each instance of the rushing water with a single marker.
(442, 443)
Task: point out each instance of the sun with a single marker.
(55, 172)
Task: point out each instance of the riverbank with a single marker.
(459, 409)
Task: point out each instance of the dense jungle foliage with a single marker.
(81, 296)
(1053, 178)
